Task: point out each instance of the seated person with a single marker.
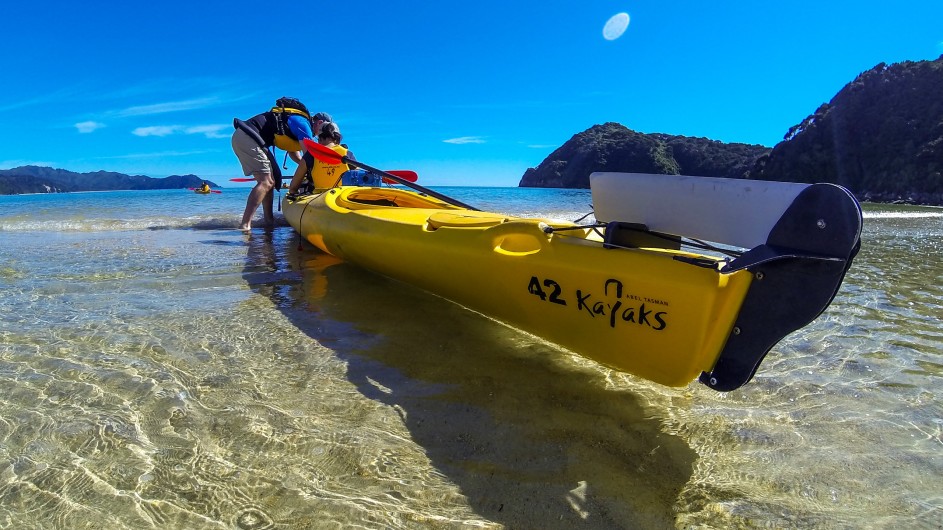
(314, 174)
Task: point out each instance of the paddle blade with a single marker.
(215, 191)
(404, 174)
(324, 154)
(242, 180)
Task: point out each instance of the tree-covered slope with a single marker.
(613, 147)
(881, 136)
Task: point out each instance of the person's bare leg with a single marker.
(267, 208)
(263, 186)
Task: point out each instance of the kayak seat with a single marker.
(462, 220)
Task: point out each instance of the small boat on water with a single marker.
(205, 189)
(679, 278)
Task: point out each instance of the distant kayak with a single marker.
(204, 192)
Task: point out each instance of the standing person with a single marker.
(317, 121)
(284, 127)
(322, 174)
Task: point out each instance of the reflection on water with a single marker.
(211, 379)
(530, 436)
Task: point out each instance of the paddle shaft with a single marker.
(404, 182)
(404, 173)
(328, 155)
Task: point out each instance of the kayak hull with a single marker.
(636, 310)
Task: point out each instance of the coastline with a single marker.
(910, 199)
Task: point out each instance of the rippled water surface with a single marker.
(159, 369)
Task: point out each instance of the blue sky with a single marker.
(465, 93)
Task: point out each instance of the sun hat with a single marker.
(322, 116)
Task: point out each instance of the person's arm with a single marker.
(301, 128)
(298, 177)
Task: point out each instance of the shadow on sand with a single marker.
(533, 440)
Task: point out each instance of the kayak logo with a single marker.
(613, 305)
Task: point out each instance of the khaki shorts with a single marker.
(250, 155)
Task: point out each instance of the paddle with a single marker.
(406, 174)
(211, 191)
(328, 156)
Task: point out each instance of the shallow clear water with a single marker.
(159, 369)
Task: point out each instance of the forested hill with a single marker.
(37, 179)
(881, 136)
(613, 147)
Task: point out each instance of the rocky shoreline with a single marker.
(915, 198)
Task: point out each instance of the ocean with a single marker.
(160, 369)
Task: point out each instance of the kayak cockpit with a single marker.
(360, 198)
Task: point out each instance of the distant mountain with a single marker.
(881, 137)
(613, 147)
(38, 179)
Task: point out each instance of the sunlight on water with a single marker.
(166, 372)
(844, 415)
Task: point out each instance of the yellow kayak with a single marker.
(628, 298)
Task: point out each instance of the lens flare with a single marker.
(615, 26)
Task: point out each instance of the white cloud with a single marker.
(540, 146)
(465, 140)
(156, 130)
(171, 106)
(210, 131)
(88, 126)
